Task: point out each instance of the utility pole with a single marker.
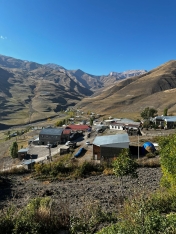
(138, 146)
(49, 147)
(31, 162)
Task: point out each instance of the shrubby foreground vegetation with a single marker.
(140, 214)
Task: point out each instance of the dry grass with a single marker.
(149, 162)
(14, 170)
(134, 94)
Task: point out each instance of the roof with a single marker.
(78, 127)
(37, 139)
(117, 124)
(27, 162)
(120, 123)
(111, 139)
(67, 131)
(125, 120)
(23, 150)
(111, 120)
(51, 131)
(64, 147)
(167, 118)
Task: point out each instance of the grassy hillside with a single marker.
(155, 89)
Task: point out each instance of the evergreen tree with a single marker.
(165, 111)
(14, 150)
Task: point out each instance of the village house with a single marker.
(167, 122)
(50, 136)
(130, 126)
(105, 147)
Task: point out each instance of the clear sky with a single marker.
(96, 36)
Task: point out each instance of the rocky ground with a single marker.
(105, 190)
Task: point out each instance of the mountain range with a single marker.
(31, 91)
(155, 89)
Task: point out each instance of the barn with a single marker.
(105, 147)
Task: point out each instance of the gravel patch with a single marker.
(75, 193)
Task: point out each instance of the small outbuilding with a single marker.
(28, 164)
(64, 150)
(22, 153)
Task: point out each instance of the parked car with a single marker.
(67, 143)
(87, 142)
(50, 146)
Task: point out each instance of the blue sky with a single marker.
(96, 36)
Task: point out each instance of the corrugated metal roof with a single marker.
(126, 120)
(52, 131)
(117, 145)
(167, 118)
(23, 150)
(27, 162)
(111, 139)
(78, 127)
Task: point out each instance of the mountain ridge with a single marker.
(30, 91)
(130, 94)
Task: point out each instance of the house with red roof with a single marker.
(66, 134)
(80, 127)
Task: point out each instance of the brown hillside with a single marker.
(134, 94)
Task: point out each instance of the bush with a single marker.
(89, 218)
(146, 214)
(41, 215)
(88, 168)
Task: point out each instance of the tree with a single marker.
(168, 160)
(148, 112)
(14, 150)
(165, 111)
(123, 165)
(91, 121)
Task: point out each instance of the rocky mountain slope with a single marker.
(93, 82)
(156, 88)
(30, 91)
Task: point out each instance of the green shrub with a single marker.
(152, 214)
(40, 216)
(89, 217)
(88, 168)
